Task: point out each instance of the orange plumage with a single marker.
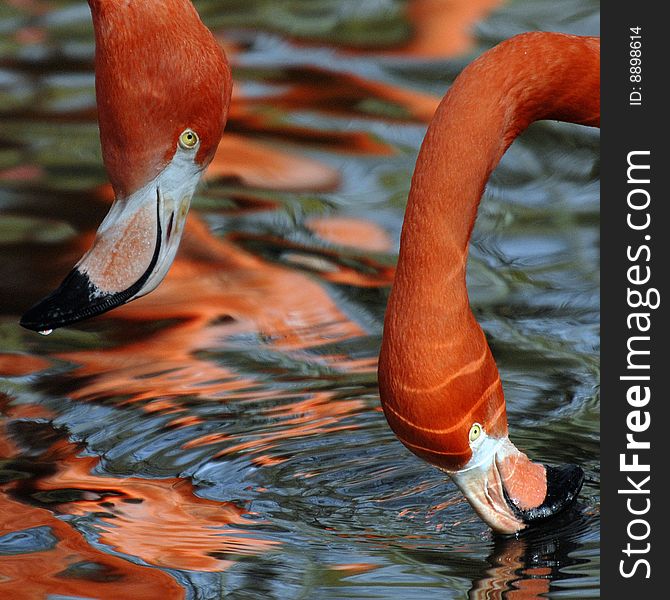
(436, 373)
(158, 71)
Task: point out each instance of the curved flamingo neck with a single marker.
(436, 372)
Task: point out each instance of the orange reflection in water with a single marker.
(14, 365)
(318, 414)
(328, 263)
(510, 577)
(69, 565)
(160, 521)
(217, 289)
(346, 94)
(355, 233)
(252, 123)
(438, 29)
(213, 292)
(443, 28)
(72, 567)
(260, 165)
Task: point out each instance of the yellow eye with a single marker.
(188, 139)
(475, 431)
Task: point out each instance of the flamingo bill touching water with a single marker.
(163, 90)
(438, 382)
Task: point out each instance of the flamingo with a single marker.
(439, 384)
(163, 90)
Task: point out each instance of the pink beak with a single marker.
(510, 492)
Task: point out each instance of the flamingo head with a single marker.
(509, 491)
(163, 90)
(469, 441)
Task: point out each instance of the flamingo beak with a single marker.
(509, 492)
(132, 251)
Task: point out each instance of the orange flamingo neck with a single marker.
(436, 373)
(159, 71)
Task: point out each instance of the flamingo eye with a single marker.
(475, 432)
(188, 139)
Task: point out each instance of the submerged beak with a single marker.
(509, 492)
(132, 252)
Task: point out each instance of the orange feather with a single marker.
(436, 373)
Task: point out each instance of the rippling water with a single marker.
(223, 436)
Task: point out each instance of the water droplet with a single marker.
(46, 332)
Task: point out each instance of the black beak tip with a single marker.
(36, 319)
(74, 300)
(563, 486)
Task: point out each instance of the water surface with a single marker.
(223, 436)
